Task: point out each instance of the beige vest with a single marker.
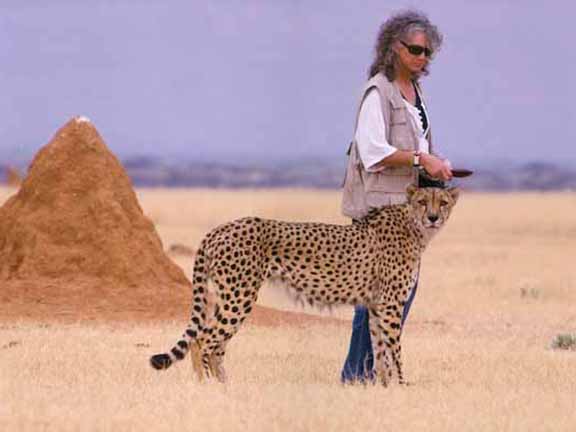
(363, 190)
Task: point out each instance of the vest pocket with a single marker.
(378, 199)
(390, 179)
(400, 135)
(398, 116)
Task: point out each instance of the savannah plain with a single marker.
(498, 284)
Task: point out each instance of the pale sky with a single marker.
(262, 80)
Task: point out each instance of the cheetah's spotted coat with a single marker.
(373, 261)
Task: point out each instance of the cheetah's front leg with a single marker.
(385, 331)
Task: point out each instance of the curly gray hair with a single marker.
(396, 28)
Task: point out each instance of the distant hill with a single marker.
(528, 176)
(325, 174)
(9, 175)
(328, 174)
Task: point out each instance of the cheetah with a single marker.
(373, 262)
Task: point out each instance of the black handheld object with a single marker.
(425, 180)
(461, 172)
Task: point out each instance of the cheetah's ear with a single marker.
(454, 192)
(410, 191)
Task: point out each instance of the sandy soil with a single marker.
(497, 285)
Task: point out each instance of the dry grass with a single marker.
(80, 377)
(497, 286)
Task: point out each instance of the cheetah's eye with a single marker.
(423, 202)
(444, 203)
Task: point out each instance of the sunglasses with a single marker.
(417, 49)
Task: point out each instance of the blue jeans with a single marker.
(359, 364)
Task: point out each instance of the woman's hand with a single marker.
(436, 167)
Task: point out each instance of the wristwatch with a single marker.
(416, 161)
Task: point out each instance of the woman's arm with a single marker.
(371, 133)
(432, 164)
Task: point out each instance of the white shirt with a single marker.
(371, 131)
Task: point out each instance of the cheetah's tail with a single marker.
(196, 323)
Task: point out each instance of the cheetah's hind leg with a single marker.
(196, 357)
(207, 362)
(216, 363)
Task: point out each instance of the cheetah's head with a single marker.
(431, 206)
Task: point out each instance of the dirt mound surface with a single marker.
(75, 238)
(60, 306)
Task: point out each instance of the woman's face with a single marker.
(409, 61)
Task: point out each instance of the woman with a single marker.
(392, 141)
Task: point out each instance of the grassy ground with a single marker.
(97, 378)
(497, 285)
